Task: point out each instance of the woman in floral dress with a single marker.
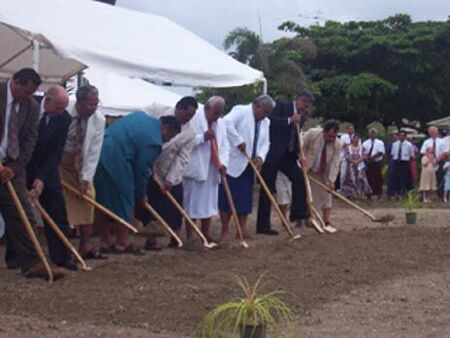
(355, 181)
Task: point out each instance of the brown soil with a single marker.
(368, 279)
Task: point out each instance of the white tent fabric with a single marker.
(120, 95)
(81, 33)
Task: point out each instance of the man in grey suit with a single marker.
(19, 114)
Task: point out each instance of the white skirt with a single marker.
(283, 189)
(200, 198)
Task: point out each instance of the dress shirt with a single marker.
(407, 151)
(440, 146)
(378, 147)
(9, 103)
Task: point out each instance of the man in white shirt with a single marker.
(210, 155)
(374, 151)
(248, 133)
(439, 147)
(168, 168)
(402, 152)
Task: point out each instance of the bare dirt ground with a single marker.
(367, 280)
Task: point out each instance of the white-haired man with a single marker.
(248, 133)
(210, 155)
(439, 148)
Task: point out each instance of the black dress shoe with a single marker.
(269, 232)
(70, 264)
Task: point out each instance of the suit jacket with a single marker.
(27, 126)
(48, 150)
(240, 123)
(313, 147)
(92, 144)
(200, 161)
(281, 130)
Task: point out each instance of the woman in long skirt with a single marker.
(355, 182)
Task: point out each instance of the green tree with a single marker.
(244, 44)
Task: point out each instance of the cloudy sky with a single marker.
(213, 19)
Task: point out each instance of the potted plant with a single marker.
(247, 316)
(411, 203)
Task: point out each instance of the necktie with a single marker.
(214, 148)
(399, 156)
(371, 148)
(323, 160)
(13, 134)
(78, 151)
(434, 147)
(255, 140)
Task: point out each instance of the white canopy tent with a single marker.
(120, 95)
(62, 37)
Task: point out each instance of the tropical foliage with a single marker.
(392, 70)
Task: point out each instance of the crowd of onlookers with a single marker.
(366, 167)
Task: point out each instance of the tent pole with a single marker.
(264, 81)
(36, 50)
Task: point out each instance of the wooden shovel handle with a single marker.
(342, 198)
(233, 209)
(166, 226)
(184, 214)
(309, 199)
(29, 228)
(59, 233)
(284, 222)
(229, 196)
(100, 207)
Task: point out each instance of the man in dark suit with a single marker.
(283, 156)
(19, 114)
(42, 171)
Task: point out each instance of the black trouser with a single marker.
(52, 200)
(287, 165)
(19, 247)
(402, 178)
(162, 204)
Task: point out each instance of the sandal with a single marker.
(93, 254)
(129, 249)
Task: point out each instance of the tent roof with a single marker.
(120, 95)
(445, 121)
(76, 34)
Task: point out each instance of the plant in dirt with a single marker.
(411, 201)
(246, 315)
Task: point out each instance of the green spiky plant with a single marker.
(253, 309)
(411, 201)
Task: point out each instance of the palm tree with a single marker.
(245, 43)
